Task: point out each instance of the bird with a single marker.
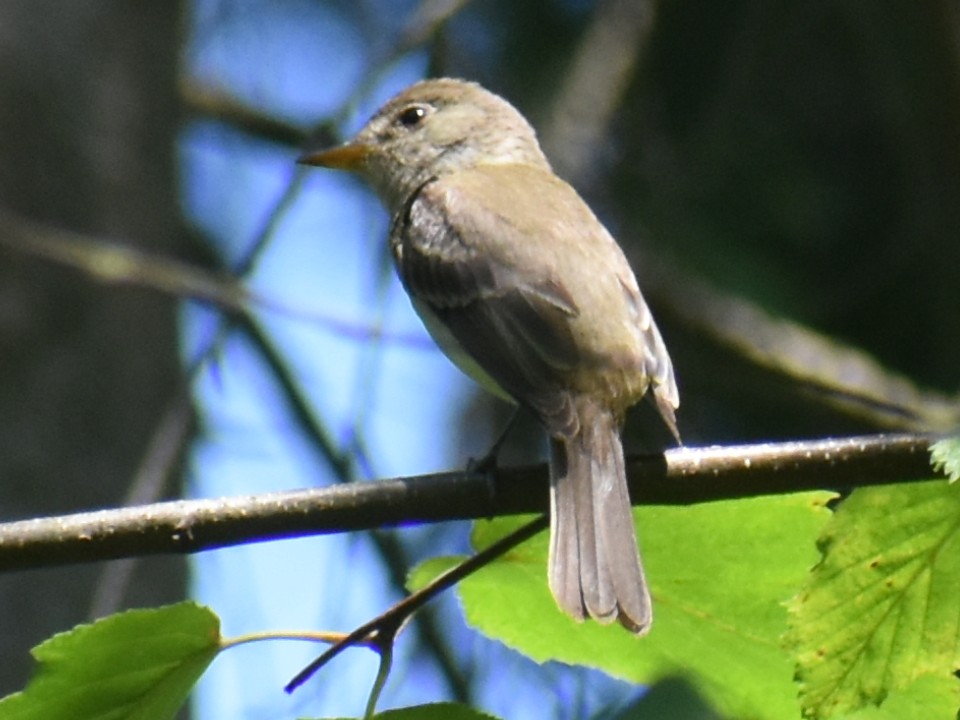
(527, 292)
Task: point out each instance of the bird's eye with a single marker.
(412, 116)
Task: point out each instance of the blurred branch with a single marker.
(213, 104)
(121, 265)
(425, 21)
(150, 483)
(117, 264)
(594, 85)
(840, 375)
(679, 477)
(843, 376)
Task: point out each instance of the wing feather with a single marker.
(523, 286)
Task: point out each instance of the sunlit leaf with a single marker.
(945, 457)
(883, 607)
(720, 574)
(137, 665)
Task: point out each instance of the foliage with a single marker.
(871, 634)
(137, 665)
(719, 576)
(881, 610)
(945, 456)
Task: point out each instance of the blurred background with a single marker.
(784, 177)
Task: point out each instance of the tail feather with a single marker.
(595, 568)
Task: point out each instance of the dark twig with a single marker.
(390, 623)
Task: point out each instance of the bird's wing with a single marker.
(513, 324)
(656, 362)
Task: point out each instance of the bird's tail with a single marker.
(595, 568)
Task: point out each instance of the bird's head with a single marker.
(431, 129)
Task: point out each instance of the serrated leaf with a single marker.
(136, 665)
(719, 575)
(434, 711)
(945, 457)
(883, 607)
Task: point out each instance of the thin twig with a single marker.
(389, 623)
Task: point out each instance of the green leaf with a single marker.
(945, 457)
(719, 574)
(928, 698)
(137, 665)
(436, 711)
(882, 608)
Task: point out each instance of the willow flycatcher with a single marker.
(527, 292)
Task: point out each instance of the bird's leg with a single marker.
(488, 463)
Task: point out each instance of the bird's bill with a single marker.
(342, 157)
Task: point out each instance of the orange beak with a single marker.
(343, 157)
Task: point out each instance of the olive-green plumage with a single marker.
(528, 293)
